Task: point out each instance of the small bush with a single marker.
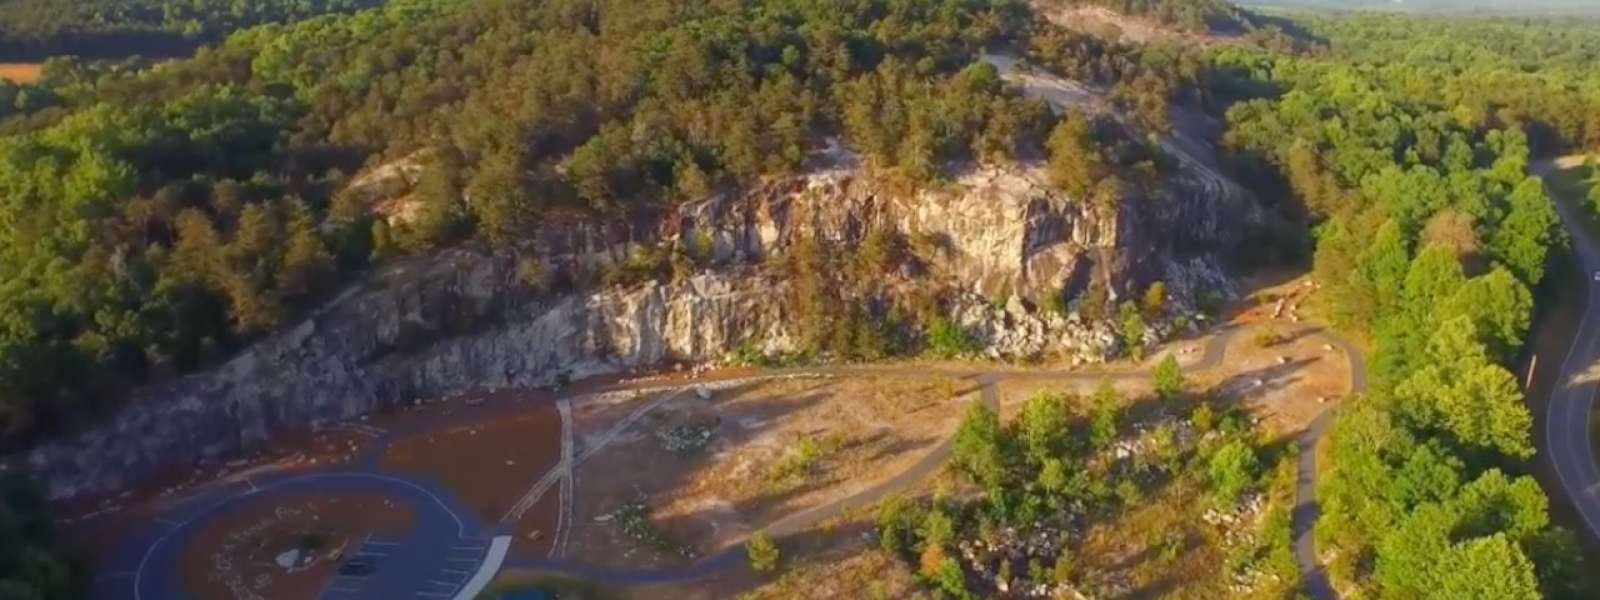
(1267, 337)
(946, 339)
(763, 553)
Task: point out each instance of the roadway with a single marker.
(1213, 355)
(448, 541)
(1567, 429)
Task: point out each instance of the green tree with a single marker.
(306, 262)
(1132, 329)
(1155, 299)
(761, 550)
(1463, 392)
(1385, 265)
(1528, 231)
(1499, 307)
(1490, 567)
(976, 448)
(1105, 404)
(946, 339)
(1233, 468)
(1168, 377)
(1042, 427)
(1075, 166)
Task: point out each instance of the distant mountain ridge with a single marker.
(1469, 6)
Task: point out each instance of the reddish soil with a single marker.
(296, 449)
(236, 555)
(536, 531)
(488, 463)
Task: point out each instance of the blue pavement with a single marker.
(430, 562)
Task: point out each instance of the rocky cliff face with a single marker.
(462, 319)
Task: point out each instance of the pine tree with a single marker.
(1168, 377)
(761, 550)
(306, 261)
(1075, 164)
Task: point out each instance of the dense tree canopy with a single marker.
(1430, 237)
(154, 217)
(29, 570)
(39, 29)
(194, 189)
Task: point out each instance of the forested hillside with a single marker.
(32, 30)
(1408, 151)
(195, 188)
(153, 219)
(1538, 74)
(1511, 7)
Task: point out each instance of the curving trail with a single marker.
(144, 567)
(1213, 355)
(1567, 421)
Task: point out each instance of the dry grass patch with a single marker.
(1159, 548)
(1283, 374)
(771, 449)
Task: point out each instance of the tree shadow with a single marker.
(1245, 385)
(807, 538)
(780, 501)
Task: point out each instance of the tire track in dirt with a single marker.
(568, 480)
(554, 475)
(1213, 355)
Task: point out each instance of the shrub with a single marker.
(946, 339)
(762, 551)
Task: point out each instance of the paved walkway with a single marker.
(436, 558)
(1567, 430)
(1213, 355)
(417, 565)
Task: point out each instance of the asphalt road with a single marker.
(448, 540)
(1304, 514)
(1567, 429)
(429, 562)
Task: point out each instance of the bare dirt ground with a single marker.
(248, 548)
(838, 560)
(293, 451)
(1110, 24)
(20, 72)
(487, 463)
(776, 447)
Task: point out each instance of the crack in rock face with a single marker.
(460, 319)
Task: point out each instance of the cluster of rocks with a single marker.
(1250, 578)
(634, 517)
(684, 438)
(459, 319)
(1017, 548)
(1283, 305)
(1238, 521)
(1240, 525)
(1142, 441)
(1013, 330)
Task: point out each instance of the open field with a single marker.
(20, 72)
(661, 471)
(770, 449)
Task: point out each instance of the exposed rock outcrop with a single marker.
(461, 319)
